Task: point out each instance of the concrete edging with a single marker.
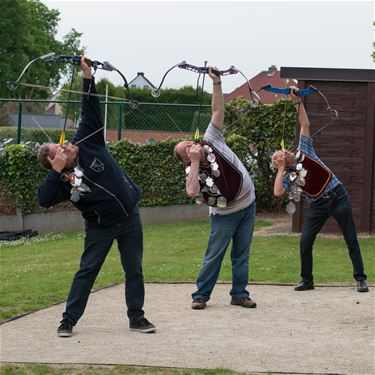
(72, 221)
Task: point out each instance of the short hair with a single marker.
(42, 156)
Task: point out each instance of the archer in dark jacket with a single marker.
(85, 173)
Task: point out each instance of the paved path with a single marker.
(329, 330)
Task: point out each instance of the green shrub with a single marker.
(34, 135)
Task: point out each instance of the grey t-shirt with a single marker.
(246, 196)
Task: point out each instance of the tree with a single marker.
(28, 30)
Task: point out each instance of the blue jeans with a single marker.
(238, 227)
(338, 205)
(98, 242)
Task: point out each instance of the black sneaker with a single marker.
(65, 329)
(142, 326)
(362, 286)
(304, 285)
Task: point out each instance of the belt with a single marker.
(328, 194)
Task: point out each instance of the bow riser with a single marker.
(204, 70)
(196, 69)
(289, 90)
(76, 60)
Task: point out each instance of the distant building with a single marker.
(141, 82)
(42, 120)
(270, 76)
(53, 107)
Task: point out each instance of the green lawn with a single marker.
(37, 272)
(32, 369)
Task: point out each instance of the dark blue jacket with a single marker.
(113, 194)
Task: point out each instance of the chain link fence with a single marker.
(51, 114)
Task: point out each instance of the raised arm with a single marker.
(302, 115)
(217, 103)
(91, 116)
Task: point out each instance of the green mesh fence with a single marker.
(30, 114)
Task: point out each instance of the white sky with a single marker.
(152, 36)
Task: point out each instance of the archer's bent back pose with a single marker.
(216, 176)
(94, 182)
(305, 174)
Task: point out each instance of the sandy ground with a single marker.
(329, 330)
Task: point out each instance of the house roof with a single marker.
(329, 74)
(141, 74)
(271, 76)
(32, 120)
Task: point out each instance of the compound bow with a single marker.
(310, 90)
(254, 98)
(75, 60)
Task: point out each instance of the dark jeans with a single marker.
(336, 204)
(239, 228)
(98, 242)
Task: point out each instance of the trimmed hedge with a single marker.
(34, 135)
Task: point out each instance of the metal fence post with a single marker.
(19, 123)
(119, 122)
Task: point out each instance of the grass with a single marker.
(37, 272)
(42, 369)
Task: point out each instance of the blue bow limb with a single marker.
(287, 91)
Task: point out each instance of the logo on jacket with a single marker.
(97, 165)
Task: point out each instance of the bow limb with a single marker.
(156, 92)
(133, 104)
(288, 90)
(12, 85)
(254, 97)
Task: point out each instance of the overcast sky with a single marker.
(152, 36)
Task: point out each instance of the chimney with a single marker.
(271, 70)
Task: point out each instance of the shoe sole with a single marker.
(302, 290)
(64, 334)
(247, 307)
(198, 308)
(147, 330)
